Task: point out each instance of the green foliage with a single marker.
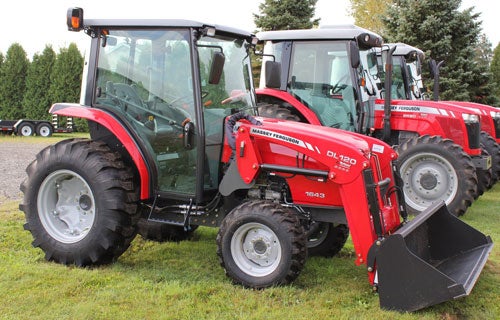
(445, 34)
(66, 75)
(12, 82)
(495, 70)
(66, 78)
(368, 14)
(286, 15)
(36, 101)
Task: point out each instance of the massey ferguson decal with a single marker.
(283, 137)
(419, 109)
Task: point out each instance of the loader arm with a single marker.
(320, 163)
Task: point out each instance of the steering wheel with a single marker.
(340, 85)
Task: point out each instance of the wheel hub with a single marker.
(66, 206)
(428, 178)
(256, 249)
(428, 181)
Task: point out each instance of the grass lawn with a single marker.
(184, 281)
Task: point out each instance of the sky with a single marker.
(35, 23)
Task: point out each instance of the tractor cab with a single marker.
(322, 71)
(407, 61)
(171, 83)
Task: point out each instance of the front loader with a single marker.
(323, 77)
(175, 140)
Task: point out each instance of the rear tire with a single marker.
(493, 149)
(276, 112)
(484, 177)
(261, 244)
(80, 203)
(435, 169)
(327, 240)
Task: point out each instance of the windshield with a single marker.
(321, 78)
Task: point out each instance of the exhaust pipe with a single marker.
(434, 258)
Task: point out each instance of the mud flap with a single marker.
(434, 258)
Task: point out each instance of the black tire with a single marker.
(493, 149)
(162, 232)
(276, 112)
(326, 239)
(44, 130)
(434, 169)
(25, 129)
(484, 177)
(261, 244)
(80, 203)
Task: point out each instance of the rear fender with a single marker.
(109, 122)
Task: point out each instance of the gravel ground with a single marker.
(14, 158)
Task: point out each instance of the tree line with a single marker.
(471, 70)
(29, 88)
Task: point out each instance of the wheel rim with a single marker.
(318, 236)
(256, 249)
(66, 206)
(26, 131)
(428, 178)
(44, 131)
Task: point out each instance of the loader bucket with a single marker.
(434, 258)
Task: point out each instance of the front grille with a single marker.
(473, 133)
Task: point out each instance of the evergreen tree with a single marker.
(12, 82)
(36, 100)
(66, 78)
(484, 89)
(495, 70)
(286, 15)
(445, 34)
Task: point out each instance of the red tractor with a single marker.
(175, 141)
(407, 72)
(330, 77)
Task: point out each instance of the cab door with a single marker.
(145, 78)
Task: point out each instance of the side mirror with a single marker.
(216, 68)
(273, 74)
(355, 59)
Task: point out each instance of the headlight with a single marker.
(470, 118)
(495, 115)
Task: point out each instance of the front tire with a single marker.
(435, 169)
(261, 244)
(80, 203)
